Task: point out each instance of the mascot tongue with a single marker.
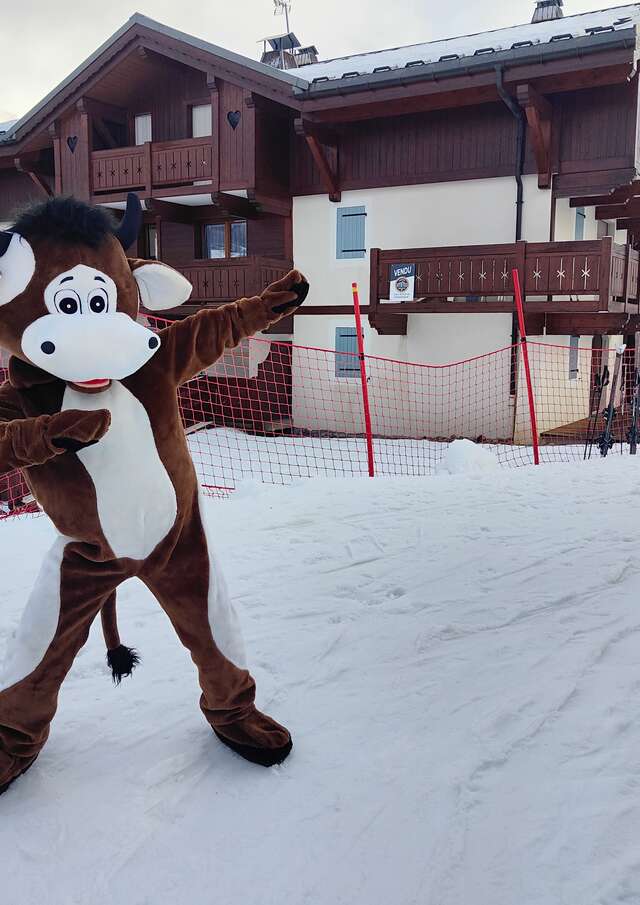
(100, 382)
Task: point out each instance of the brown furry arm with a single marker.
(33, 441)
(195, 343)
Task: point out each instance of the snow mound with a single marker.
(458, 662)
(466, 457)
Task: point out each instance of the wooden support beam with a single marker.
(269, 204)
(37, 178)
(619, 195)
(328, 172)
(630, 209)
(234, 205)
(173, 213)
(539, 113)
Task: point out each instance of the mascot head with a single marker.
(69, 296)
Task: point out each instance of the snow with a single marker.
(466, 45)
(466, 457)
(6, 126)
(457, 658)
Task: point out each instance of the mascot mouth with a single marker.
(97, 384)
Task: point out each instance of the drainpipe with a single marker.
(516, 110)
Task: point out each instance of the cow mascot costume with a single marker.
(90, 412)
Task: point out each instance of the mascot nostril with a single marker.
(90, 414)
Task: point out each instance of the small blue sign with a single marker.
(402, 270)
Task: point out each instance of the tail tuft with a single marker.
(122, 661)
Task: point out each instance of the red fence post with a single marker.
(527, 369)
(363, 378)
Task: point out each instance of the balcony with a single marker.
(563, 280)
(162, 165)
(224, 280)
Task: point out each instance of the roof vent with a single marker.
(548, 9)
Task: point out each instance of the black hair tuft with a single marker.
(65, 220)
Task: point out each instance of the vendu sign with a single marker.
(402, 280)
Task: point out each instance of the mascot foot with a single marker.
(258, 739)
(5, 786)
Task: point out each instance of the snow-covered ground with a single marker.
(458, 658)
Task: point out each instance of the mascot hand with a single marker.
(73, 430)
(288, 293)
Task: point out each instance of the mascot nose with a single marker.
(48, 348)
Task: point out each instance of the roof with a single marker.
(578, 34)
(137, 19)
(501, 39)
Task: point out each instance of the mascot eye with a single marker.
(67, 301)
(98, 301)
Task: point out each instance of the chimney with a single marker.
(547, 9)
(285, 52)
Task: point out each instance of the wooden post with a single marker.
(374, 258)
(606, 262)
(148, 169)
(212, 85)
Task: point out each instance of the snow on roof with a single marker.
(582, 24)
(6, 127)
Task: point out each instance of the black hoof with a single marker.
(266, 757)
(4, 787)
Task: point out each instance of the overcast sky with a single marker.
(42, 41)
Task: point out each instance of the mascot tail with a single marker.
(122, 660)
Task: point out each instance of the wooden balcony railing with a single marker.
(223, 280)
(558, 277)
(152, 165)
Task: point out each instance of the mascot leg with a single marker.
(191, 589)
(68, 594)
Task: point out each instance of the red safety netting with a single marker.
(276, 412)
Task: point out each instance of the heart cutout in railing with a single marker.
(233, 118)
(72, 142)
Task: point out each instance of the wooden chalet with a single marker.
(229, 156)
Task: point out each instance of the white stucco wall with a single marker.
(457, 213)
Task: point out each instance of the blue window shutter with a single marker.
(574, 343)
(580, 218)
(347, 362)
(350, 232)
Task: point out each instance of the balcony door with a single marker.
(143, 128)
(201, 120)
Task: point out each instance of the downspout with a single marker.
(516, 110)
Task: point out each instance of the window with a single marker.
(574, 342)
(143, 128)
(581, 216)
(606, 228)
(200, 120)
(149, 242)
(225, 240)
(350, 232)
(347, 361)
(238, 244)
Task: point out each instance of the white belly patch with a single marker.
(136, 499)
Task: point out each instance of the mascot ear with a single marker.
(160, 287)
(17, 266)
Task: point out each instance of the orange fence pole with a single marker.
(527, 369)
(363, 378)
